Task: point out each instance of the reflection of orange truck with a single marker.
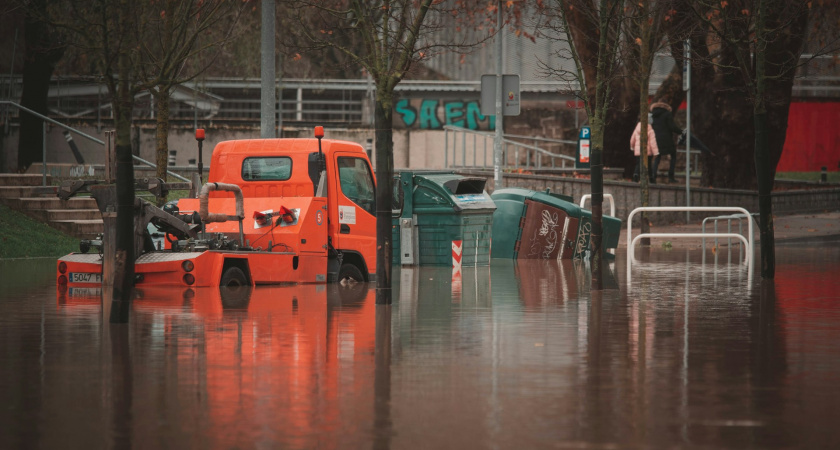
(273, 211)
(279, 364)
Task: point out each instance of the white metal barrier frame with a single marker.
(631, 241)
(585, 197)
(728, 219)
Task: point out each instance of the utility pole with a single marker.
(687, 89)
(497, 141)
(267, 86)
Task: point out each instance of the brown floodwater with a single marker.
(692, 352)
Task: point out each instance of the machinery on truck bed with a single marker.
(273, 211)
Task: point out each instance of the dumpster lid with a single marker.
(461, 192)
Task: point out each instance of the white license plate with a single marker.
(79, 277)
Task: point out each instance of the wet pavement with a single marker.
(688, 354)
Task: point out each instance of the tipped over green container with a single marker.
(540, 225)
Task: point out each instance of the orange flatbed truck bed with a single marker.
(273, 211)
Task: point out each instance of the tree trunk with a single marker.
(597, 187)
(124, 267)
(765, 203)
(764, 173)
(644, 93)
(384, 192)
(782, 58)
(42, 53)
(622, 115)
(161, 99)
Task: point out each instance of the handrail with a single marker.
(631, 242)
(506, 142)
(52, 121)
(80, 133)
(542, 139)
(543, 151)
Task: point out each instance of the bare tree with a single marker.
(386, 38)
(594, 33)
(759, 44)
(179, 41)
(645, 29)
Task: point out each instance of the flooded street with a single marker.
(685, 353)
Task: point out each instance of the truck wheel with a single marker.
(349, 272)
(233, 277)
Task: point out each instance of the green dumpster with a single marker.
(441, 217)
(540, 225)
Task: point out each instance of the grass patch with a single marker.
(24, 237)
(833, 177)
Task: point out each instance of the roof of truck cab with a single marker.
(256, 147)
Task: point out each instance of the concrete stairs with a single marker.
(78, 216)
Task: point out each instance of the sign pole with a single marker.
(687, 89)
(497, 141)
(267, 98)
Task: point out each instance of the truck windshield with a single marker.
(267, 169)
(357, 182)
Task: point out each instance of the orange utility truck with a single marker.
(273, 211)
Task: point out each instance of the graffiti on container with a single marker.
(548, 231)
(434, 114)
(583, 239)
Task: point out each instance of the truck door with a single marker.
(355, 227)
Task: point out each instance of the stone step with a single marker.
(27, 191)
(44, 203)
(23, 179)
(82, 229)
(53, 215)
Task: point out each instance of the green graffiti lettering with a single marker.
(406, 112)
(428, 115)
(455, 114)
(474, 116)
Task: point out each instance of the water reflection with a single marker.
(519, 354)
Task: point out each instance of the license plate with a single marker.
(79, 277)
(84, 292)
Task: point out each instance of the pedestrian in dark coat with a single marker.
(666, 130)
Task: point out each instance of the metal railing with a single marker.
(80, 133)
(631, 241)
(533, 154)
(728, 219)
(585, 197)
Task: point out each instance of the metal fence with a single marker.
(472, 148)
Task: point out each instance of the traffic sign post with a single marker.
(499, 101)
(582, 156)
